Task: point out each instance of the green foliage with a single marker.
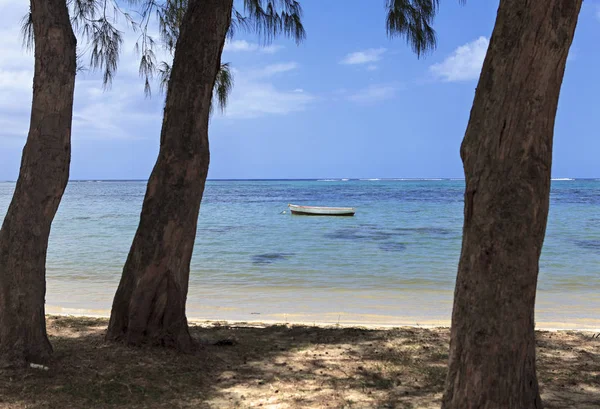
(170, 18)
(221, 90)
(267, 18)
(270, 18)
(106, 43)
(413, 19)
(164, 73)
(95, 22)
(223, 86)
(27, 31)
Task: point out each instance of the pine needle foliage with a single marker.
(268, 19)
(413, 20)
(95, 22)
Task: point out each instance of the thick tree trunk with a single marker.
(42, 180)
(149, 306)
(507, 156)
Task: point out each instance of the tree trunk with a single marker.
(149, 306)
(507, 157)
(42, 180)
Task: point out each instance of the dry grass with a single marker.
(277, 367)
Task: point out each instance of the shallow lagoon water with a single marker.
(393, 263)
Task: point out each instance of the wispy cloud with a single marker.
(255, 94)
(12, 129)
(120, 113)
(245, 46)
(114, 114)
(464, 64)
(273, 69)
(373, 93)
(16, 82)
(364, 57)
(258, 99)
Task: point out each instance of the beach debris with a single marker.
(38, 366)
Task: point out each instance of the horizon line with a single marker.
(325, 179)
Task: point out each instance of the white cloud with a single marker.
(372, 67)
(254, 95)
(18, 80)
(16, 76)
(12, 10)
(363, 57)
(16, 83)
(464, 64)
(240, 45)
(253, 100)
(119, 113)
(270, 70)
(245, 46)
(373, 93)
(271, 49)
(116, 113)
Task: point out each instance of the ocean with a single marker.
(394, 263)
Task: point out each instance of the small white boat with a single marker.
(321, 211)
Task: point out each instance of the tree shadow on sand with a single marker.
(276, 366)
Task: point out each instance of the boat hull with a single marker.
(321, 211)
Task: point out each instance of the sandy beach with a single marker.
(247, 365)
(338, 319)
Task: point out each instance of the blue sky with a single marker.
(347, 103)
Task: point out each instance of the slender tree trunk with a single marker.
(149, 306)
(507, 156)
(42, 180)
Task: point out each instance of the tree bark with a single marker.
(149, 306)
(42, 180)
(507, 157)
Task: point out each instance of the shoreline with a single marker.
(204, 322)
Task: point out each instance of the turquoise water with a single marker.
(393, 263)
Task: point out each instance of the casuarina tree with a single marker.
(507, 157)
(42, 180)
(49, 29)
(149, 306)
